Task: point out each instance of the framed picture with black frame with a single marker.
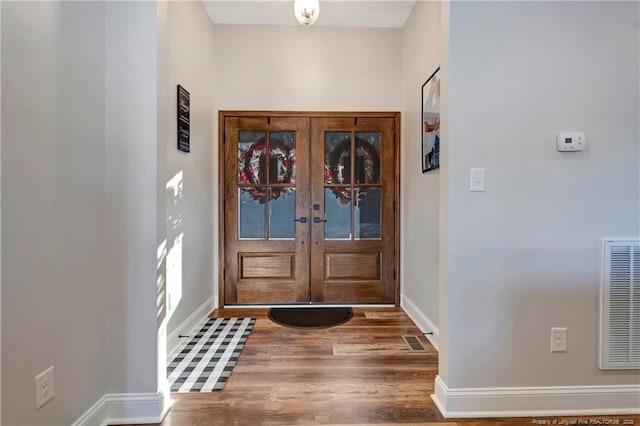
(184, 120)
(430, 122)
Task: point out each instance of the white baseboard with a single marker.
(420, 319)
(173, 341)
(125, 408)
(536, 401)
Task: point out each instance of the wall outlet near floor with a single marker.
(559, 339)
(45, 387)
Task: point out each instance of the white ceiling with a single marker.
(333, 13)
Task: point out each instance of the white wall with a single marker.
(443, 196)
(53, 207)
(316, 68)
(0, 212)
(189, 198)
(134, 148)
(525, 255)
(420, 192)
(86, 111)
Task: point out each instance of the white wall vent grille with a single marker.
(620, 305)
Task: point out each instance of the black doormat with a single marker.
(310, 317)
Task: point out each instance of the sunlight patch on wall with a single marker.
(174, 275)
(161, 255)
(175, 236)
(174, 196)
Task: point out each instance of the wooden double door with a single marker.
(309, 208)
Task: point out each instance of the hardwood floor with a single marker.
(358, 373)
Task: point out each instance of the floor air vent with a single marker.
(620, 306)
(414, 343)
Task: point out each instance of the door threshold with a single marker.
(313, 305)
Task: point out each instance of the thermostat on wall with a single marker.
(570, 141)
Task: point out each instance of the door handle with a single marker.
(318, 220)
(301, 220)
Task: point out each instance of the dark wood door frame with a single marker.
(221, 174)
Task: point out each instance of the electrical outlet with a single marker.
(45, 387)
(559, 339)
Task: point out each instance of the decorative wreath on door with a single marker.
(252, 163)
(334, 169)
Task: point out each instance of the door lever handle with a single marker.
(301, 220)
(318, 220)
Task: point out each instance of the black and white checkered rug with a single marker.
(204, 364)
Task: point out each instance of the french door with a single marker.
(308, 208)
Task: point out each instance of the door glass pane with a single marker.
(337, 157)
(282, 157)
(367, 161)
(366, 213)
(251, 157)
(251, 205)
(337, 207)
(282, 210)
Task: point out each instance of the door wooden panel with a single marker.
(344, 187)
(352, 266)
(271, 265)
(262, 263)
(364, 250)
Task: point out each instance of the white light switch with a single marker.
(477, 180)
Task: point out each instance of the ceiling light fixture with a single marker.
(306, 11)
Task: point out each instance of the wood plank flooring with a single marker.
(359, 373)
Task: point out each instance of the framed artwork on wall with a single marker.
(430, 122)
(184, 121)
